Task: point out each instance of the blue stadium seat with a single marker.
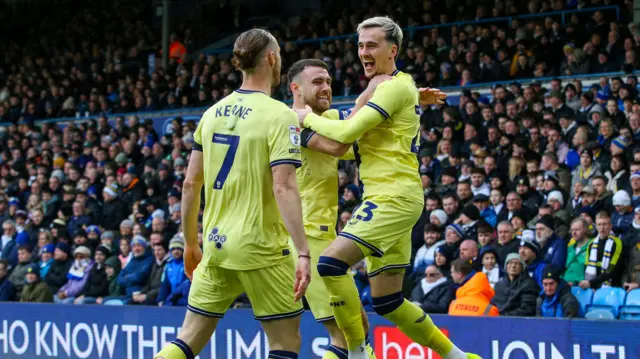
(599, 313)
(631, 308)
(584, 296)
(610, 299)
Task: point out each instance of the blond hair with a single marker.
(392, 31)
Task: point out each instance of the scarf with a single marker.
(585, 174)
(613, 181)
(427, 287)
(493, 275)
(591, 270)
(76, 272)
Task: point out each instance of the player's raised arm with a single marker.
(191, 187)
(387, 98)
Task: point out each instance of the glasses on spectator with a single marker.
(431, 275)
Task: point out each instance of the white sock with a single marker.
(456, 353)
(360, 353)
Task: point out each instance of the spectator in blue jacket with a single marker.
(173, 271)
(46, 259)
(7, 289)
(179, 297)
(623, 217)
(556, 300)
(554, 248)
(134, 276)
(530, 251)
(481, 201)
(79, 219)
(8, 244)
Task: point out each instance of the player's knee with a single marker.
(331, 267)
(388, 303)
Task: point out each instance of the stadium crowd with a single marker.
(528, 192)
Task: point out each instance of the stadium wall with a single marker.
(50, 330)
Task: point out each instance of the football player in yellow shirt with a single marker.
(245, 156)
(385, 129)
(310, 85)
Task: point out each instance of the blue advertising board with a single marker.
(62, 331)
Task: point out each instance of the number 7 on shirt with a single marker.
(228, 140)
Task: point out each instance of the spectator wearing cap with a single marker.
(604, 257)
(634, 180)
(531, 200)
(173, 271)
(468, 221)
(619, 145)
(588, 202)
(77, 276)
(126, 229)
(531, 252)
(434, 292)
(136, 273)
(7, 289)
(132, 188)
(587, 168)
(112, 269)
(46, 259)
(623, 217)
(149, 293)
(553, 248)
(35, 290)
(57, 275)
(473, 293)
(438, 218)
(25, 259)
(576, 252)
(114, 209)
(556, 300)
(453, 236)
(350, 196)
(425, 256)
(516, 292)
(556, 203)
(481, 202)
(443, 258)
(97, 284)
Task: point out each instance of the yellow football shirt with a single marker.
(386, 136)
(318, 181)
(242, 137)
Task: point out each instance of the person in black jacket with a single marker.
(149, 293)
(114, 210)
(516, 293)
(97, 284)
(434, 292)
(7, 289)
(57, 275)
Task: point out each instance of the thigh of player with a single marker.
(316, 294)
(270, 291)
(381, 227)
(212, 292)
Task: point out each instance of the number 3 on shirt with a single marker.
(228, 140)
(367, 208)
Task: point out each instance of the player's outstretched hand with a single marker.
(192, 257)
(302, 113)
(429, 96)
(303, 277)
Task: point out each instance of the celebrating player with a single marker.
(246, 154)
(310, 84)
(386, 130)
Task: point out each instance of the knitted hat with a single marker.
(471, 212)
(93, 229)
(176, 243)
(111, 190)
(551, 272)
(64, 247)
(441, 215)
(528, 240)
(353, 188)
(522, 214)
(457, 229)
(48, 248)
(140, 240)
(82, 250)
(547, 221)
(445, 251)
(621, 198)
(621, 142)
(551, 176)
(514, 256)
(107, 235)
(33, 269)
(104, 249)
(555, 196)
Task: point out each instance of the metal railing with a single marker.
(411, 31)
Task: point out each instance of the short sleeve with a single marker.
(284, 140)
(197, 136)
(389, 97)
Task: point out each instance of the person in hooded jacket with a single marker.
(434, 292)
(97, 284)
(516, 292)
(474, 294)
(77, 276)
(35, 290)
(173, 270)
(556, 299)
(56, 277)
(112, 268)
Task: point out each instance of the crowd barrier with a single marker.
(53, 330)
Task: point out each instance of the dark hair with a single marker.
(248, 47)
(484, 228)
(301, 65)
(462, 266)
